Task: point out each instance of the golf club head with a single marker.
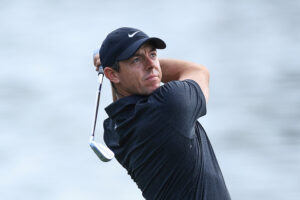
(104, 153)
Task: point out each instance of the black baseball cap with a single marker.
(123, 42)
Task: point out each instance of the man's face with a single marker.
(140, 74)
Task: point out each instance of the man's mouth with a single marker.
(151, 77)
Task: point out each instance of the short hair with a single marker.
(116, 66)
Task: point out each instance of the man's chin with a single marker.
(152, 89)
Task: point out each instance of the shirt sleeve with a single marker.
(182, 103)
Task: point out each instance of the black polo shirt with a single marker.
(165, 150)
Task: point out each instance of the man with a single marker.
(153, 129)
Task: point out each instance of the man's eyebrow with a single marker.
(138, 54)
(153, 49)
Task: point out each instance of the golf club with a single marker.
(103, 152)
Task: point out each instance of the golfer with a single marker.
(152, 128)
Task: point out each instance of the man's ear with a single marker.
(111, 74)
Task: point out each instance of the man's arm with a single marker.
(180, 70)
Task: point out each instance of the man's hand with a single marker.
(97, 61)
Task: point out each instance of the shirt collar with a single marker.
(114, 108)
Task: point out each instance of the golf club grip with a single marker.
(100, 70)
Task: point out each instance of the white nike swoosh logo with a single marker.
(131, 35)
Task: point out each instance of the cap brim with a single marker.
(129, 52)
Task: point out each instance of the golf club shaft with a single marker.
(100, 76)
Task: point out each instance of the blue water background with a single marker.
(48, 89)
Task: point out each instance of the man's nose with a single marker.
(149, 63)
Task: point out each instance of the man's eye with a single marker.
(153, 54)
(135, 60)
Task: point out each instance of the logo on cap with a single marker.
(131, 35)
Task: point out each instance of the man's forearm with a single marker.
(173, 69)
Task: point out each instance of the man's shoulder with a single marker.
(175, 90)
(179, 85)
(180, 98)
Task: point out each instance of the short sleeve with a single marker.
(181, 103)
